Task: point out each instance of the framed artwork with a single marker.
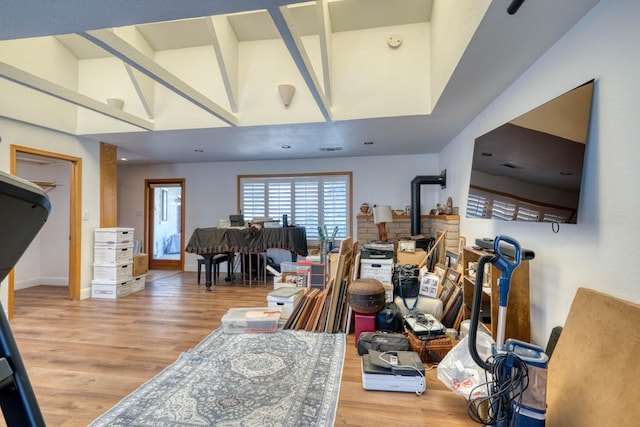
(451, 260)
(462, 242)
(453, 275)
(440, 271)
(407, 246)
(429, 285)
(446, 289)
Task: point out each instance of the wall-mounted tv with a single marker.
(530, 169)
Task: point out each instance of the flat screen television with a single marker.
(530, 169)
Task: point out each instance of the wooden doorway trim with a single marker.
(148, 222)
(75, 215)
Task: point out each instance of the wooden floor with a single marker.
(82, 357)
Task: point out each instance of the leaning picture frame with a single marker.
(446, 289)
(429, 285)
(407, 246)
(453, 275)
(440, 270)
(451, 260)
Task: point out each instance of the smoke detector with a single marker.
(394, 41)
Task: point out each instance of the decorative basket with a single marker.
(430, 350)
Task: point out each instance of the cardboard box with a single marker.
(113, 236)
(413, 258)
(137, 283)
(388, 293)
(104, 290)
(112, 273)
(381, 269)
(140, 264)
(112, 254)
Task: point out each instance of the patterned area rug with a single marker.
(286, 378)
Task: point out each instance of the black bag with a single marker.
(389, 319)
(405, 281)
(382, 341)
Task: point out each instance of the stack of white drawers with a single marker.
(113, 263)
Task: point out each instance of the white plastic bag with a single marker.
(460, 373)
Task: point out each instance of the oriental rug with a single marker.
(286, 378)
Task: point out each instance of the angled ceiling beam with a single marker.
(284, 22)
(325, 46)
(31, 81)
(115, 45)
(137, 85)
(225, 45)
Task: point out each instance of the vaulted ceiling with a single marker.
(199, 80)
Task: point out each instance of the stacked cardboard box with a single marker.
(115, 274)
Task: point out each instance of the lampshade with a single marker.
(382, 213)
(286, 93)
(115, 103)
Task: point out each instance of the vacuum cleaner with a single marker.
(517, 371)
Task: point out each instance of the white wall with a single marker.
(18, 133)
(599, 252)
(211, 188)
(38, 265)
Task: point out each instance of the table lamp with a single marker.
(381, 215)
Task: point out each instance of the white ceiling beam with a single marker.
(284, 22)
(225, 45)
(31, 81)
(324, 26)
(134, 76)
(118, 47)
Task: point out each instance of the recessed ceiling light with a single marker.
(286, 147)
(331, 149)
(199, 150)
(368, 143)
(124, 159)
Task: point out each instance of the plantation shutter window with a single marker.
(309, 201)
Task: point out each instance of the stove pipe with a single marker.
(415, 196)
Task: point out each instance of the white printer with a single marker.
(393, 371)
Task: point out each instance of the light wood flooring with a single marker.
(83, 357)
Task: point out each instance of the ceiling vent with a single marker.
(331, 149)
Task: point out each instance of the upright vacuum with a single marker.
(517, 371)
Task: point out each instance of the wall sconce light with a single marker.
(115, 103)
(286, 93)
(381, 215)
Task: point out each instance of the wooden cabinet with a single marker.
(518, 308)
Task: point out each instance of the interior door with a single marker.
(165, 223)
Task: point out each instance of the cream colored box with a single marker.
(137, 283)
(113, 236)
(103, 290)
(380, 269)
(112, 273)
(112, 254)
(413, 258)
